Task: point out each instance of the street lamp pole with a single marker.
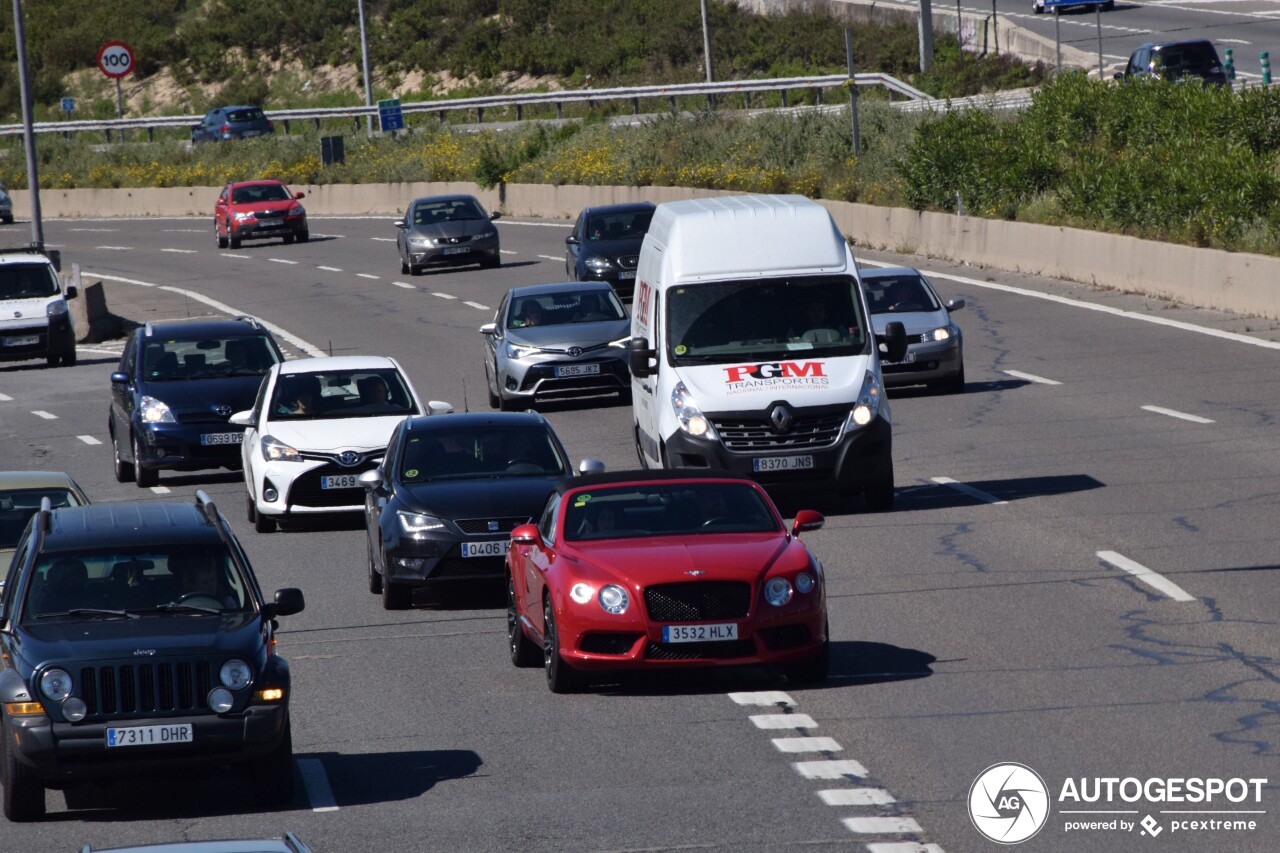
(364, 58)
(28, 135)
(706, 40)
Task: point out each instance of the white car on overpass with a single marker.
(315, 427)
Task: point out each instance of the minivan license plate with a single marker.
(782, 463)
(340, 481)
(699, 633)
(149, 735)
(222, 438)
(486, 549)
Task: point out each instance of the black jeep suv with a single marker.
(135, 640)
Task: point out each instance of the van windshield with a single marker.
(733, 320)
(26, 281)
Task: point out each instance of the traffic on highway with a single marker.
(1040, 613)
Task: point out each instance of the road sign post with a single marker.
(390, 117)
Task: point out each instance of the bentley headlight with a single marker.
(689, 416)
(581, 593)
(804, 583)
(868, 405)
(275, 450)
(235, 674)
(417, 523)
(614, 599)
(777, 591)
(518, 351)
(56, 684)
(152, 411)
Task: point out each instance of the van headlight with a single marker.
(868, 405)
(56, 308)
(689, 416)
(153, 411)
(275, 450)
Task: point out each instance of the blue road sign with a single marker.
(389, 115)
(68, 104)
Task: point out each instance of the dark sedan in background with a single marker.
(447, 230)
(238, 122)
(605, 245)
(441, 507)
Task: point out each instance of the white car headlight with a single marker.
(275, 450)
(597, 264)
(518, 351)
(940, 334)
(152, 411)
(777, 591)
(689, 416)
(614, 599)
(56, 684)
(56, 308)
(417, 523)
(235, 674)
(868, 405)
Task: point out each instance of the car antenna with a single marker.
(465, 407)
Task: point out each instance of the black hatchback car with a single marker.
(442, 505)
(136, 640)
(605, 245)
(1176, 61)
(174, 390)
(239, 122)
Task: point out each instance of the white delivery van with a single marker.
(752, 350)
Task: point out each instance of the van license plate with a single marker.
(578, 370)
(782, 463)
(150, 735)
(699, 633)
(26, 341)
(486, 549)
(340, 481)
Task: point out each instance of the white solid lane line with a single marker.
(48, 416)
(807, 744)
(831, 769)
(903, 847)
(1174, 413)
(1031, 377)
(783, 721)
(88, 439)
(1155, 580)
(764, 697)
(477, 305)
(969, 490)
(882, 825)
(317, 784)
(856, 797)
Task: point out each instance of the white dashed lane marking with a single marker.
(5, 398)
(856, 797)
(806, 744)
(115, 248)
(830, 769)
(882, 825)
(1155, 580)
(1173, 413)
(783, 721)
(477, 305)
(903, 847)
(763, 697)
(406, 285)
(281, 261)
(384, 239)
(230, 255)
(317, 785)
(88, 439)
(443, 295)
(329, 269)
(180, 251)
(551, 257)
(161, 490)
(367, 275)
(48, 416)
(968, 490)
(508, 252)
(1031, 377)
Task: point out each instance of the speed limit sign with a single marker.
(115, 59)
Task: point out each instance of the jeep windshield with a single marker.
(27, 281)
(156, 580)
(728, 321)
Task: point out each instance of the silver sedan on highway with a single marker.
(935, 344)
(446, 230)
(555, 341)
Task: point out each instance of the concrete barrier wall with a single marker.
(1232, 281)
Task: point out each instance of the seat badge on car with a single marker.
(493, 526)
(348, 458)
(146, 652)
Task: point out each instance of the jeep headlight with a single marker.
(597, 264)
(275, 450)
(777, 591)
(417, 523)
(868, 405)
(56, 308)
(152, 411)
(56, 684)
(518, 351)
(235, 674)
(689, 416)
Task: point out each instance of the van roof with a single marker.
(749, 235)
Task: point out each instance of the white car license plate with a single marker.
(270, 223)
(456, 250)
(909, 358)
(150, 735)
(222, 438)
(627, 274)
(25, 341)
(340, 481)
(699, 633)
(782, 463)
(486, 549)
(578, 370)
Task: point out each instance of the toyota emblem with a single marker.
(223, 411)
(575, 351)
(780, 417)
(348, 458)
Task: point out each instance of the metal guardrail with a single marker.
(630, 93)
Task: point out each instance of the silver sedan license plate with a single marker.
(700, 633)
(222, 438)
(340, 481)
(578, 370)
(150, 735)
(782, 463)
(456, 250)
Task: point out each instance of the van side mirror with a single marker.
(639, 354)
(72, 291)
(894, 341)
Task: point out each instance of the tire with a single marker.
(144, 478)
(264, 523)
(51, 360)
(561, 678)
(272, 775)
(523, 652)
(491, 263)
(23, 791)
(495, 400)
(232, 240)
(395, 596)
(222, 241)
(303, 236)
(288, 239)
(123, 470)
(250, 509)
(375, 577)
(404, 268)
(69, 357)
(878, 493)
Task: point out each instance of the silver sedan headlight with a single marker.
(940, 334)
(235, 674)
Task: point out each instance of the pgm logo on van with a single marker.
(777, 374)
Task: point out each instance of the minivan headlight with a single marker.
(518, 351)
(868, 405)
(153, 411)
(689, 416)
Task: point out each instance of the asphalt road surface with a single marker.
(1080, 577)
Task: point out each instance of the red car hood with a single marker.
(726, 556)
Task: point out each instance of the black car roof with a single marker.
(128, 524)
(456, 420)
(205, 328)
(559, 287)
(610, 478)
(626, 207)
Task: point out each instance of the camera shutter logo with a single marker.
(1008, 803)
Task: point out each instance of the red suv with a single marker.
(258, 210)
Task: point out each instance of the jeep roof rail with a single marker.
(207, 508)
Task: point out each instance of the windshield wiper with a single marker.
(174, 606)
(90, 611)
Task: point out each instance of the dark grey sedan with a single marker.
(446, 230)
(553, 341)
(223, 123)
(605, 244)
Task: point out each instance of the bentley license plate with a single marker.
(699, 633)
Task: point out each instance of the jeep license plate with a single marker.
(150, 735)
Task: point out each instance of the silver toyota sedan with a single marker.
(555, 341)
(446, 230)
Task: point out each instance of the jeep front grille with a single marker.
(145, 689)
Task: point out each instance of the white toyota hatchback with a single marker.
(315, 427)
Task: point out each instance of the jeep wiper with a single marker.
(173, 606)
(90, 611)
